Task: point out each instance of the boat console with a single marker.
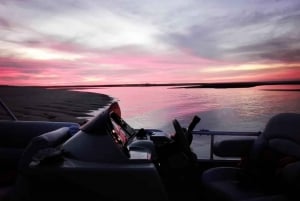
(105, 153)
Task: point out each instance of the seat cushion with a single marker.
(5, 192)
(225, 183)
(269, 198)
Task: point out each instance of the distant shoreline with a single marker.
(180, 85)
(240, 84)
(296, 90)
(41, 104)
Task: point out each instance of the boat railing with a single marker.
(212, 135)
(7, 110)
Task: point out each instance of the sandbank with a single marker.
(42, 104)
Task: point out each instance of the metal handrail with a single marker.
(7, 110)
(222, 133)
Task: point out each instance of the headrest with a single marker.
(284, 125)
(46, 140)
(282, 133)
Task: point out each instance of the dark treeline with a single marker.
(184, 85)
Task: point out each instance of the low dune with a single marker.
(39, 104)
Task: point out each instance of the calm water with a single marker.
(245, 109)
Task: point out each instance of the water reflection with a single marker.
(245, 109)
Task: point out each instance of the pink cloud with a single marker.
(97, 67)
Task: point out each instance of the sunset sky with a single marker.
(70, 42)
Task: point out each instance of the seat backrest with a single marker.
(46, 140)
(276, 147)
(283, 134)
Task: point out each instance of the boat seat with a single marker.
(271, 170)
(50, 139)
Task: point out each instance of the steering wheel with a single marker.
(180, 137)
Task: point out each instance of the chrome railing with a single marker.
(212, 135)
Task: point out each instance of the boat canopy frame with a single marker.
(7, 110)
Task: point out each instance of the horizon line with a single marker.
(181, 85)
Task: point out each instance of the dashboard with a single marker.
(137, 144)
(125, 136)
(122, 132)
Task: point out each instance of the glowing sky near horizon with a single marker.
(46, 42)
